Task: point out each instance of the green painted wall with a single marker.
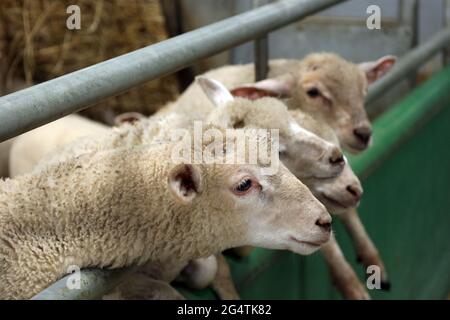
(405, 208)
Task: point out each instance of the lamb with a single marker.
(126, 206)
(130, 133)
(323, 85)
(32, 146)
(29, 148)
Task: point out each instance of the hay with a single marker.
(36, 45)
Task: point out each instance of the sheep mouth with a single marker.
(334, 202)
(328, 177)
(324, 178)
(357, 147)
(307, 243)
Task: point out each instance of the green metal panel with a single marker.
(405, 208)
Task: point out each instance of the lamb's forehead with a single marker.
(339, 75)
(266, 112)
(326, 61)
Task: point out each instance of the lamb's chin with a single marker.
(302, 248)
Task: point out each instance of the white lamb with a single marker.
(29, 148)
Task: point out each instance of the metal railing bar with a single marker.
(88, 284)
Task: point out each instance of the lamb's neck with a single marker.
(108, 210)
(119, 211)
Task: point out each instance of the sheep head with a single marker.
(340, 193)
(333, 90)
(244, 203)
(337, 194)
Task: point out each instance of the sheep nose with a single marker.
(337, 158)
(324, 223)
(363, 134)
(356, 192)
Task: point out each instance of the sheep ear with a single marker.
(215, 91)
(376, 69)
(281, 86)
(127, 117)
(253, 93)
(185, 182)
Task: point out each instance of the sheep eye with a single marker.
(313, 92)
(243, 186)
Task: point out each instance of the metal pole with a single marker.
(32, 107)
(446, 22)
(408, 64)
(261, 49)
(415, 37)
(93, 284)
